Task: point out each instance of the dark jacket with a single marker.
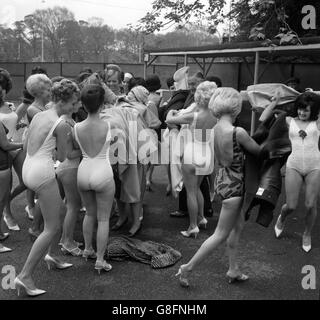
(263, 179)
(175, 103)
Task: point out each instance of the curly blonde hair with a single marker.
(36, 82)
(64, 90)
(204, 92)
(226, 101)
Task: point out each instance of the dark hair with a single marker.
(64, 90)
(215, 79)
(39, 70)
(92, 97)
(138, 81)
(308, 99)
(293, 80)
(153, 83)
(86, 70)
(57, 79)
(170, 82)
(5, 80)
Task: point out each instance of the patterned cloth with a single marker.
(158, 255)
(229, 181)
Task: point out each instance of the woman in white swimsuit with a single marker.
(67, 174)
(10, 118)
(303, 164)
(95, 175)
(47, 133)
(198, 153)
(39, 86)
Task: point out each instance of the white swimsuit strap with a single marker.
(77, 139)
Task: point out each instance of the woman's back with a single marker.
(92, 136)
(224, 143)
(203, 122)
(39, 129)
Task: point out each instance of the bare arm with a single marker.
(247, 142)
(21, 110)
(61, 134)
(267, 112)
(174, 118)
(73, 151)
(31, 112)
(5, 144)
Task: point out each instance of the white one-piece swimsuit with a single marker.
(305, 155)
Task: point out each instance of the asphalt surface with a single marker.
(274, 266)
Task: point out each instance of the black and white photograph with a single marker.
(159, 155)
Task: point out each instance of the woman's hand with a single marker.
(277, 96)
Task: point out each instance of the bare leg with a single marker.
(136, 209)
(228, 218)
(50, 203)
(17, 164)
(232, 245)
(104, 205)
(200, 200)
(89, 201)
(312, 181)
(73, 203)
(293, 182)
(190, 181)
(5, 182)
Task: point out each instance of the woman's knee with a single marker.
(309, 204)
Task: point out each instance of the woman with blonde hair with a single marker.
(229, 144)
(198, 152)
(39, 86)
(47, 133)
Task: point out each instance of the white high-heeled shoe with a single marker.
(278, 230)
(12, 227)
(104, 265)
(183, 279)
(53, 263)
(30, 292)
(306, 243)
(203, 223)
(191, 233)
(4, 249)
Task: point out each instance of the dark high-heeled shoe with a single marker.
(117, 226)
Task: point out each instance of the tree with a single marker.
(166, 13)
(50, 20)
(249, 19)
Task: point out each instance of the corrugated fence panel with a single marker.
(72, 70)
(53, 69)
(15, 69)
(16, 91)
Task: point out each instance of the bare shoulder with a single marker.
(288, 120)
(242, 134)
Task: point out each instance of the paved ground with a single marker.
(274, 266)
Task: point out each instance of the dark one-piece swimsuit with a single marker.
(229, 181)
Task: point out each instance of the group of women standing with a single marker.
(86, 177)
